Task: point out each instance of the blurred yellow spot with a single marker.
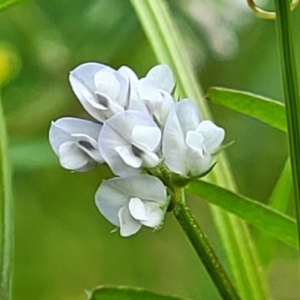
(9, 63)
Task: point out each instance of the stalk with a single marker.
(203, 248)
(291, 93)
(6, 217)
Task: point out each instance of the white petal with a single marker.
(197, 165)
(135, 103)
(155, 215)
(148, 91)
(158, 101)
(213, 135)
(128, 156)
(109, 140)
(173, 144)
(85, 74)
(107, 83)
(162, 77)
(137, 209)
(82, 83)
(108, 104)
(111, 82)
(61, 130)
(165, 107)
(127, 72)
(117, 131)
(89, 146)
(128, 225)
(195, 141)
(146, 136)
(71, 157)
(150, 159)
(119, 200)
(188, 115)
(86, 98)
(142, 186)
(110, 198)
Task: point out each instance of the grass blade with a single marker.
(264, 109)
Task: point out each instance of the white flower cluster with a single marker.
(138, 130)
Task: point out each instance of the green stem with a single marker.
(203, 248)
(168, 47)
(6, 225)
(291, 93)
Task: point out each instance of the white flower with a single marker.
(74, 141)
(135, 102)
(101, 90)
(189, 142)
(130, 202)
(155, 90)
(129, 141)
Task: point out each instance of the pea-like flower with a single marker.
(101, 90)
(129, 142)
(130, 202)
(155, 90)
(188, 142)
(75, 142)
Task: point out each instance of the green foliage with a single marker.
(127, 293)
(279, 200)
(265, 110)
(254, 212)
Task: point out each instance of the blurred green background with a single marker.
(63, 245)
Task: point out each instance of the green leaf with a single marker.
(265, 110)
(127, 293)
(7, 3)
(279, 201)
(259, 215)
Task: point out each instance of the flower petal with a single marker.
(82, 83)
(195, 141)
(61, 130)
(106, 82)
(101, 90)
(162, 77)
(71, 157)
(173, 144)
(128, 225)
(150, 159)
(121, 201)
(128, 156)
(197, 165)
(137, 209)
(146, 136)
(85, 74)
(117, 131)
(155, 215)
(213, 135)
(188, 115)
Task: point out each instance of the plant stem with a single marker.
(203, 248)
(6, 225)
(291, 93)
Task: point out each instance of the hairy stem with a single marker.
(203, 248)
